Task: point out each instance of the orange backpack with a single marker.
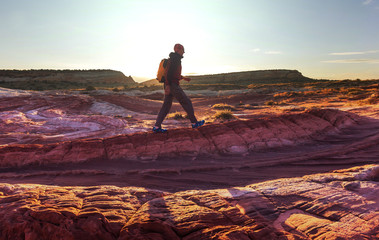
(163, 70)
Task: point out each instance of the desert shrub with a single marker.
(223, 106)
(90, 88)
(123, 117)
(282, 94)
(271, 103)
(250, 106)
(354, 91)
(373, 99)
(129, 87)
(224, 115)
(287, 94)
(115, 90)
(213, 87)
(342, 97)
(327, 91)
(296, 109)
(176, 116)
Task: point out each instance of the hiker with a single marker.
(172, 89)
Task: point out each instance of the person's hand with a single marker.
(187, 79)
(167, 90)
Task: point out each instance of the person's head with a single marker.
(179, 49)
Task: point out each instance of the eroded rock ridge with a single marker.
(339, 205)
(238, 137)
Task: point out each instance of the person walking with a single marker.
(172, 89)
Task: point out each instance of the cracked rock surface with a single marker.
(342, 204)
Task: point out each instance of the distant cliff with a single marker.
(47, 79)
(245, 78)
(81, 76)
(249, 77)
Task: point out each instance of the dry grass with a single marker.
(223, 106)
(176, 116)
(273, 103)
(224, 115)
(322, 92)
(247, 106)
(373, 99)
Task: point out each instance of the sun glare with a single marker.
(155, 37)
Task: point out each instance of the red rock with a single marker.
(233, 138)
(84, 150)
(120, 147)
(293, 208)
(225, 139)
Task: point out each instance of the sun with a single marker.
(154, 41)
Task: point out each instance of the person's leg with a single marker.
(186, 103)
(167, 103)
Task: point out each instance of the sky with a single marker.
(324, 39)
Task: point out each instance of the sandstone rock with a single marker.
(311, 207)
(233, 138)
(46, 118)
(48, 212)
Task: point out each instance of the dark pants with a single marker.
(177, 92)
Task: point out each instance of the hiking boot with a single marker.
(198, 124)
(159, 130)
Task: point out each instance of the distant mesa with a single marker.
(69, 77)
(245, 78)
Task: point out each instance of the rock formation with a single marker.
(75, 166)
(232, 138)
(90, 77)
(35, 117)
(250, 77)
(338, 205)
(244, 78)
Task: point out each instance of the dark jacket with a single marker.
(174, 73)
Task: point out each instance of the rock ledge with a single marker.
(339, 205)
